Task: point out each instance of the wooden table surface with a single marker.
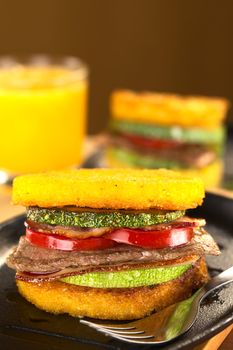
(222, 341)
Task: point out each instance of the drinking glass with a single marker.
(43, 103)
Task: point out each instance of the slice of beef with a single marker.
(69, 271)
(28, 257)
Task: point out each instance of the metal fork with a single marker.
(166, 325)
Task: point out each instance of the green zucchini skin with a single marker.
(135, 159)
(176, 133)
(92, 219)
(129, 278)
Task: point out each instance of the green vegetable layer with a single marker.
(95, 219)
(129, 278)
(135, 159)
(176, 133)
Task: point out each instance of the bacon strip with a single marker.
(79, 232)
(68, 231)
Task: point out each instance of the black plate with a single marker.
(22, 325)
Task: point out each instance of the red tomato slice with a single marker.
(168, 236)
(54, 241)
(151, 143)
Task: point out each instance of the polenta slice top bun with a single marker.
(110, 188)
(168, 109)
(110, 244)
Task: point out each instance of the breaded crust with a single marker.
(109, 188)
(168, 109)
(116, 304)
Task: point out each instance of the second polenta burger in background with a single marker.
(110, 243)
(152, 130)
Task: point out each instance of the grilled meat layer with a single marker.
(28, 257)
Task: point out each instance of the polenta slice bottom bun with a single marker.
(110, 244)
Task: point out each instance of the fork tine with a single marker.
(135, 341)
(116, 328)
(123, 332)
(135, 337)
(99, 325)
(91, 324)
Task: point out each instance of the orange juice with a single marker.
(42, 117)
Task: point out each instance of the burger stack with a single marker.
(152, 130)
(110, 243)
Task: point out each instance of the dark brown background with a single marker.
(182, 46)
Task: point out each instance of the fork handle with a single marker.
(222, 279)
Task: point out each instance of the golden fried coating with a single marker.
(168, 109)
(116, 304)
(109, 188)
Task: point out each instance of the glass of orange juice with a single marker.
(43, 104)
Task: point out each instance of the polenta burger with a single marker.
(110, 244)
(154, 130)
